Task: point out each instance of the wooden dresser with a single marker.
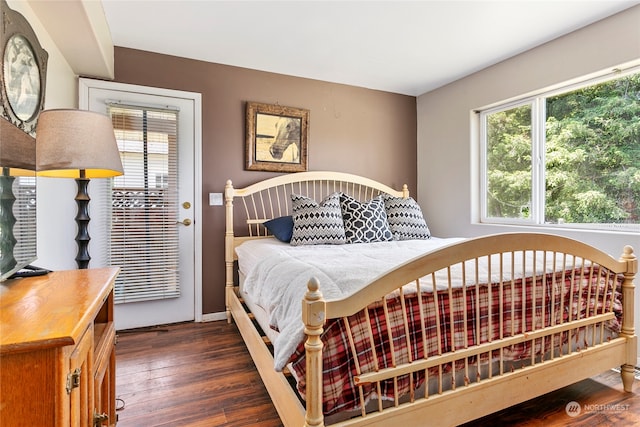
(57, 349)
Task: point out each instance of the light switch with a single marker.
(215, 199)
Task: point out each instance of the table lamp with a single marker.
(77, 144)
(17, 158)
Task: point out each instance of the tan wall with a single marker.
(448, 143)
(351, 129)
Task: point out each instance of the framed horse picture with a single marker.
(276, 138)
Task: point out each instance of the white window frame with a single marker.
(538, 167)
(484, 172)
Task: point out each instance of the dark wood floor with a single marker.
(200, 374)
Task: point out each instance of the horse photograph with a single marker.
(276, 138)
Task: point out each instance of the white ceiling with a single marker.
(406, 47)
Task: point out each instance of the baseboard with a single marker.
(214, 317)
(636, 371)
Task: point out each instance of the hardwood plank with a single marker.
(191, 374)
(201, 375)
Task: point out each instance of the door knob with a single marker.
(185, 221)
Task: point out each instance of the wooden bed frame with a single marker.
(271, 198)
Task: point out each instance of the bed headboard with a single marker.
(271, 198)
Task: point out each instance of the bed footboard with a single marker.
(516, 339)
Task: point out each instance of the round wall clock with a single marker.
(23, 71)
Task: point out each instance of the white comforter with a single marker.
(276, 276)
(340, 269)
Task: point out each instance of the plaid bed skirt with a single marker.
(453, 319)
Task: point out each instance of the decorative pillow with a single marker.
(405, 218)
(364, 222)
(317, 224)
(281, 228)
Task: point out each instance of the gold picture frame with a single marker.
(276, 138)
(23, 71)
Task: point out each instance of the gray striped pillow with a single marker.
(317, 223)
(405, 218)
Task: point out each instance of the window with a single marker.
(569, 157)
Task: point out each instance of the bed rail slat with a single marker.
(446, 358)
(501, 314)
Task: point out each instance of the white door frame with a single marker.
(86, 84)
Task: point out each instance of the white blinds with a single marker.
(24, 209)
(144, 234)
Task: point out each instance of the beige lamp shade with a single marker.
(17, 150)
(71, 141)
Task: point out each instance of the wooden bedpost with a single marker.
(628, 328)
(405, 191)
(228, 245)
(313, 316)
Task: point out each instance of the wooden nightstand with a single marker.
(57, 349)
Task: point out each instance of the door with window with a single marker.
(151, 211)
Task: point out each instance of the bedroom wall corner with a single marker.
(447, 137)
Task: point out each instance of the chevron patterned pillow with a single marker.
(317, 224)
(365, 222)
(405, 218)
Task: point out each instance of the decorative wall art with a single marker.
(276, 138)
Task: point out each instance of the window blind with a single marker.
(144, 234)
(24, 209)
